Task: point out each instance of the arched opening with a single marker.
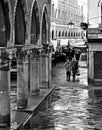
(69, 34)
(44, 60)
(77, 34)
(20, 32)
(59, 34)
(52, 34)
(63, 34)
(4, 24)
(56, 34)
(74, 34)
(44, 28)
(35, 28)
(66, 33)
(82, 34)
(20, 26)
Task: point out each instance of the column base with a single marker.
(4, 120)
(45, 84)
(90, 81)
(22, 104)
(35, 92)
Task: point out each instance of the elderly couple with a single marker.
(71, 66)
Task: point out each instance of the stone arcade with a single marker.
(25, 33)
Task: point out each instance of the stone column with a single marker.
(34, 72)
(22, 79)
(4, 89)
(49, 67)
(44, 67)
(44, 70)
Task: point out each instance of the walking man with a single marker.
(68, 69)
(74, 68)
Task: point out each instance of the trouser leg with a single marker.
(73, 76)
(68, 75)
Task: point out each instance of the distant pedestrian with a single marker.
(68, 53)
(74, 68)
(68, 69)
(77, 55)
(72, 53)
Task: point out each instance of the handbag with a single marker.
(78, 73)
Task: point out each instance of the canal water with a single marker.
(72, 106)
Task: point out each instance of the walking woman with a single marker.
(68, 69)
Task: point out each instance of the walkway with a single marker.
(73, 106)
(19, 118)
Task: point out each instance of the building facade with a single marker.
(95, 41)
(25, 36)
(65, 12)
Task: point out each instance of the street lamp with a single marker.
(71, 26)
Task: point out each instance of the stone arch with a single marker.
(21, 22)
(5, 23)
(44, 60)
(44, 26)
(35, 25)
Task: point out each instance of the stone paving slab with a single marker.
(37, 101)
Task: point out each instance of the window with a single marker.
(59, 14)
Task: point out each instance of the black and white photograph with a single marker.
(50, 64)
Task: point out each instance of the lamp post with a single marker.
(71, 26)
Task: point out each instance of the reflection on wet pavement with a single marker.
(72, 105)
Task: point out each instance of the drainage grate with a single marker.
(19, 119)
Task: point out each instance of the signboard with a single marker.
(94, 33)
(100, 36)
(92, 36)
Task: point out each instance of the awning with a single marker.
(63, 42)
(78, 43)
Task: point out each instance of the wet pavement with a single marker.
(72, 106)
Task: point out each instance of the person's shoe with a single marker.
(68, 79)
(73, 80)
